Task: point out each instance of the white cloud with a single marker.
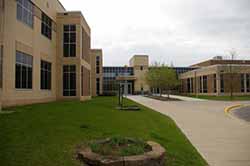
(182, 31)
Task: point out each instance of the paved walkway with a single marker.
(221, 140)
(184, 98)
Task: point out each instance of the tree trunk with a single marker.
(168, 93)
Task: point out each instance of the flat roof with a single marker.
(220, 61)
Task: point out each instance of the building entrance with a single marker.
(126, 88)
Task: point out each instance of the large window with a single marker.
(222, 90)
(69, 80)
(248, 82)
(1, 66)
(97, 64)
(242, 82)
(45, 75)
(98, 86)
(190, 85)
(215, 83)
(25, 10)
(24, 63)
(69, 40)
(204, 84)
(200, 82)
(46, 26)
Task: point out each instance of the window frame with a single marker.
(200, 83)
(215, 83)
(97, 64)
(98, 86)
(248, 83)
(28, 10)
(45, 71)
(46, 26)
(70, 30)
(69, 73)
(205, 84)
(222, 83)
(29, 71)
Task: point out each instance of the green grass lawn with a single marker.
(224, 98)
(47, 134)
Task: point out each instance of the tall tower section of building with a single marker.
(140, 63)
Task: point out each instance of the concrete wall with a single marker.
(140, 63)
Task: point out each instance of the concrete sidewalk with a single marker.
(184, 98)
(221, 140)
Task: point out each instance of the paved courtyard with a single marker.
(221, 139)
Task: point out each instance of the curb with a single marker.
(230, 108)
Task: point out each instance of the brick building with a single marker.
(44, 53)
(217, 77)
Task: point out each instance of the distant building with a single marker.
(111, 83)
(215, 77)
(131, 78)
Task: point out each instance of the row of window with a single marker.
(24, 69)
(203, 84)
(25, 14)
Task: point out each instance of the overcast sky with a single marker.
(179, 31)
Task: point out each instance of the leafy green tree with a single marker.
(162, 77)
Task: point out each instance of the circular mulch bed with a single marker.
(153, 155)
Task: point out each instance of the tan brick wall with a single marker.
(86, 82)
(85, 46)
(19, 36)
(218, 70)
(137, 61)
(210, 83)
(94, 53)
(236, 82)
(82, 50)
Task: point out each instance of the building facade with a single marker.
(115, 76)
(217, 78)
(44, 53)
(132, 78)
